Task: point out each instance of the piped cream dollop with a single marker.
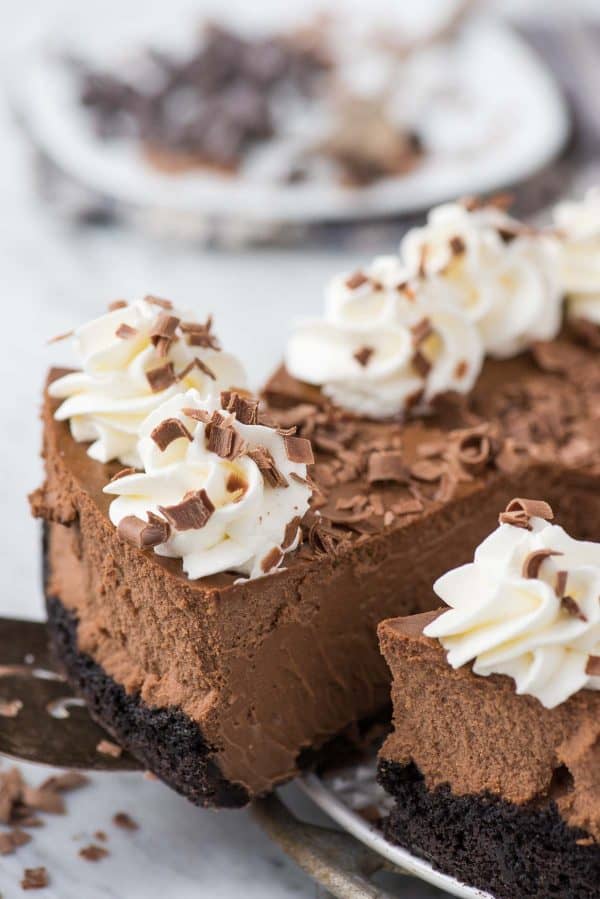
(227, 494)
(128, 370)
(579, 227)
(385, 345)
(499, 273)
(528, 607)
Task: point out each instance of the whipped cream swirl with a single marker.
(254, 519)
(579, 226)
(535, 629)
(502, 276)
(385, 345)
(108, 400)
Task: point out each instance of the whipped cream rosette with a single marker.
(528, 607)
(579, 226)
(384, 345)
(217, 490)
(133, 358)
(503, 276)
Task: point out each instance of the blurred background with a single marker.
(233, 158)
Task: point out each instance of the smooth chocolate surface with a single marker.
(273, 668)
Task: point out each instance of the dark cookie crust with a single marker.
(507, 850)
(165, 740)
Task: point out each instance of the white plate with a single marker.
(512, 121)
(344, 792)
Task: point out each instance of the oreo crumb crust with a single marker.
(488, 843)
(183, 760)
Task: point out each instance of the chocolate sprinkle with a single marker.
(298, 449)
(167, 431)
(533, 561)
(162, 377)
(192, 513)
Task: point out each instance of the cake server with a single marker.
(42, 721)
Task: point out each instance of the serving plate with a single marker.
(344, 793)
(501, 118)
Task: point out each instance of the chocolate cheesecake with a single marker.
(225, 656)
(495, 754)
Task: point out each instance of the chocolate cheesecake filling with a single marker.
(271, 669)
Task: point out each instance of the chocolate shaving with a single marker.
(162, 377)
(165, 326)
(244, 408)
(298, 449)
(235, 483)
(421, 364)
(144, 534)
(158, 301)
(93, 853)
(363, 355)
(291, 532)
(533, 562)
(58, 337)
(408, 506)
(561, 583)
(117, 304)
(197, 414)
(123, 473)
(593, 666)
(125, 821)
(572, 607)
(474, 452)
(428, 470)
(356, 280)
(35, 879)
(107, 747)
(533, 508)
(421, 331)
(167, 431)
(461, 369)
(457, 245)
(199, 364)
(271, 560)
(261, 456)
(126, 332)
(12, 840)
(192, 513)
(198, 334)
(387, 466)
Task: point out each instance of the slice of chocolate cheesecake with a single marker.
(495, 766)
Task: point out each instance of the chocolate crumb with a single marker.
(162, 377)
(34, 878)
(10, 708)
(107, 747)
(126, 332)
(192, 513)
(93, 853)
(363, 355)
(533, 561)
(125, 821)
(356, 280)
(158, 301)
(167, 431)
(298, 449)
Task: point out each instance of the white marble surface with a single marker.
(54, 276)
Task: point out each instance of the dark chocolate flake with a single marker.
(192, 513)
(167, 431)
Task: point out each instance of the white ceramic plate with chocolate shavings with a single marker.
(354, 799)
(485, 110)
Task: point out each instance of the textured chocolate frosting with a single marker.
(273, 668)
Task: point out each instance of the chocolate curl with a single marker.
(533, 562)
(519, 511)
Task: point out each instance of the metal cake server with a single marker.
(53, 727)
